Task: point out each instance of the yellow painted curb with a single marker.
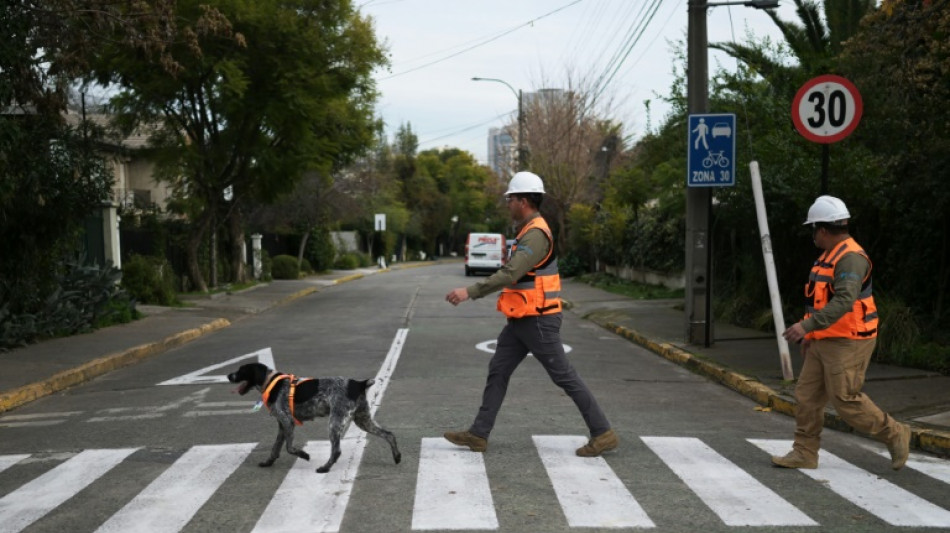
(351, 277)
(102, 365)
(929, 440)
(932, 440)
(298, 294)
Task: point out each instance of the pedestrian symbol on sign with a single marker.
(712, 150)
(700, 132)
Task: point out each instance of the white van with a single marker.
(484, 252)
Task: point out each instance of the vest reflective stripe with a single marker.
(858, 323)
(293, 389)
(538, 292)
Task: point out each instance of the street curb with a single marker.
(97, 367)
(351, 277)
(299, 294)
(930, 440)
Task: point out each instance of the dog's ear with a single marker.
(259, 371)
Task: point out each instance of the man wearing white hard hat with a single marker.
(530, 299)
(838, 335)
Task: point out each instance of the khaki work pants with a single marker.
(834, 369)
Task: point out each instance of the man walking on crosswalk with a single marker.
(530, 299)
(839, 333)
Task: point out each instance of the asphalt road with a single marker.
(125, 453)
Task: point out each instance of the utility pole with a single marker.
(698, 199)
(698, 271)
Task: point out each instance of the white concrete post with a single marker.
(777, 315)
(256, 250)
(110, 234)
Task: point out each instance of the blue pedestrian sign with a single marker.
(712, 150)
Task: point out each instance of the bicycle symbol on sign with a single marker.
(716, 158)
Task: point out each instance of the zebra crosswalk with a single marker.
(453, 489)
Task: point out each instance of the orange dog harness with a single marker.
(293, 381)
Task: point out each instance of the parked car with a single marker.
(484, 252)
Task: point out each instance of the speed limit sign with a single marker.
(827, 109)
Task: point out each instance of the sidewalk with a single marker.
(747, 361)
(744, 360)
(47, 367)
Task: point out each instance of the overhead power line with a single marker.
(482, 42)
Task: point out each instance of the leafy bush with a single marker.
(285, 267)
(347, 261)
(305, 266)
(320, 249)
(571, 265)
(365, 259)
(149, 280)
(85, 297)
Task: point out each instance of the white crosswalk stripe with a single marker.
(452, 489)
(877, 496)
(590, 493)
(6, 461)
(307, 501)
(34, 500)
(730, 492)
(938, 469)
(170, 501)
(321, 506)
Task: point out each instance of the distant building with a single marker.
(502, 152)
(537, 98)
(503, 147)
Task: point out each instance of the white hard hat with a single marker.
(524, 183)
(827, 209)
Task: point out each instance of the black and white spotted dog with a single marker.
(341, 399)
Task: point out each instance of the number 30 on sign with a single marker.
(827, 109)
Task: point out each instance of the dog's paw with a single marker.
(303, 455)
(265, 464)
(397, 457)
(323, 469)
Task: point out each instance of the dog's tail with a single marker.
(355, 389)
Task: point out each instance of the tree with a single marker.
(572, 147)
(814, 44)
(902, 53)
(273, 89)
(52, 174)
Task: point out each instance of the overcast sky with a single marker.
(437, 46)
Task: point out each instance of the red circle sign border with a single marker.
(858, 109)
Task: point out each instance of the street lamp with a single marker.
(522, 164)
(699, 199)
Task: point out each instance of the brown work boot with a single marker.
(597, 445)
(795, 459)
(900, 447)
(467, 438)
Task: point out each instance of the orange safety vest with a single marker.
(858, 323)
(538, 292)
(293, 388)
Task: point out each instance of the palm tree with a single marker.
(814, 43)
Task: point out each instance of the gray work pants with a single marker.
(542, 337)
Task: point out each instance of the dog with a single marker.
(291, 401)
